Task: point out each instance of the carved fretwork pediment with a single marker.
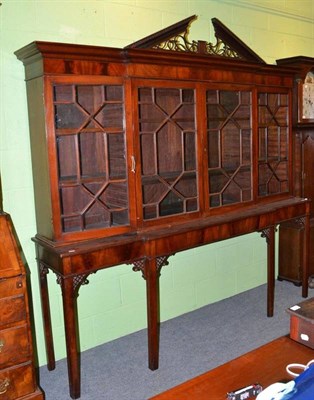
(175, 38)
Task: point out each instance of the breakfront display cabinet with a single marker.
(141, 152)
(130, 139)
(291, 233)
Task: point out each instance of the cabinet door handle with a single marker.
(133, 164)
(4, 385)
(2, 343)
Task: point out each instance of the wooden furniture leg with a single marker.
(42, 272)
(151, 274)
(69, 294)
(269, 234)
(271, 272)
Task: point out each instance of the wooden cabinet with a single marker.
(291, 237)
(115, 154)
(291, 234)
(141, 152)
(17, 373)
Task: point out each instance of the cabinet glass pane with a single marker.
(229, 133)
(91, 150)
(273, 143)
(167, 131)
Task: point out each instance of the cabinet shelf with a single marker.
(77, 131)
(81, 180)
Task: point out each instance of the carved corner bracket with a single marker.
(265, 233)
(43, 269)
(139, 265)
(78, 280)
(300, 221)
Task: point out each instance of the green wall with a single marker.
(113, 304)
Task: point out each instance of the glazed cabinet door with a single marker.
(88, 147)
(230, 142)
(168, 147)
(248, 145)
(207, 147)
(274, 143)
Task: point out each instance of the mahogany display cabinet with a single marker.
(141, 152)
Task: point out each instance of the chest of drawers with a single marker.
(17, 372)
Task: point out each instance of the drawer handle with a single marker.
(2, 343)
(4, 385)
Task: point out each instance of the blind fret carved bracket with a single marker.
(265, 233)
(162, 261)
(43, 269)
(78, 280)
(139, 265)
(300, 222)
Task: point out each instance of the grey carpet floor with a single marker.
(189, 346)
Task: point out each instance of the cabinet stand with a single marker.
(148, 253)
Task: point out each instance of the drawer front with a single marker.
(12, 286)
(16, 382)
(12, 300)
(13, 309)
(14, 346)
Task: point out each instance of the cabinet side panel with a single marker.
(40, 165)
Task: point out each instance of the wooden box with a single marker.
(302, 322)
